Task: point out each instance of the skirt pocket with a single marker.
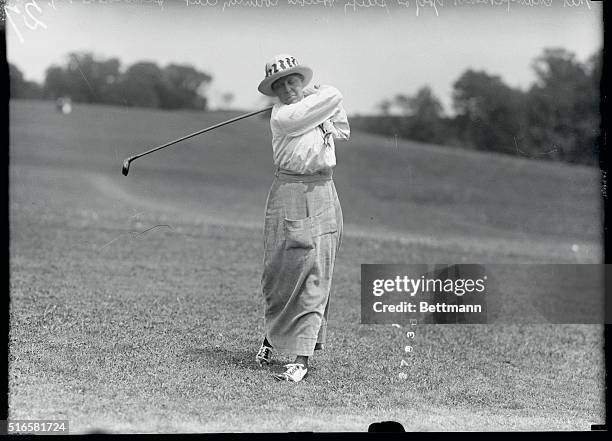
(300, 233)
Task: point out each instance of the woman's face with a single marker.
(289, 89)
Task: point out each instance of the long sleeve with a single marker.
(339, 122)
(298, 118)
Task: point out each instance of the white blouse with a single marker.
(303, 133)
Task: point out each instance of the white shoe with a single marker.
(295, 372)
(264, 355)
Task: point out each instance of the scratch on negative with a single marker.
(104, 246)
(84, 77)
(138, 214)
(554, 149)
(149, 229)
(136, 233)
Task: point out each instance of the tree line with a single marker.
(557, 117)
(86, 79)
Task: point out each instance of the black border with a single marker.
(604, 161)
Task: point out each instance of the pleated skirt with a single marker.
(302, 235)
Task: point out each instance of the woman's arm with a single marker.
(314, 109)
(338, 124)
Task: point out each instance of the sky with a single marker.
(369, 49)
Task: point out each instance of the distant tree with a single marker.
(402, 102)
(186, 87)
(563, 105)
(425, 104)
(594, 66)
(490, 114)
(56, 84)
(107, 77)
(84, 78)
(384, 107)
(142, 85)
(558, 117)
(81, 76)
(16, 81)
(20, 88)
(417, 117)
(425, 116)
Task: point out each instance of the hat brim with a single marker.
(265, 86)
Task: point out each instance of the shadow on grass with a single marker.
(238, 358)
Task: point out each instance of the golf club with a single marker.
(126, 164)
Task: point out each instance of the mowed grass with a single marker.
(122, 329)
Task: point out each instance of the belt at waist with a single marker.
(287, 176)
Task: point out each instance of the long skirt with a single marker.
(302, 235)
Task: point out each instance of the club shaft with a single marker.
(246, 115)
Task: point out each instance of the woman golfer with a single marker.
(303, 222)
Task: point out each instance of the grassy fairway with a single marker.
(119, 329)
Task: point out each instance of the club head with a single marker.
(126, 167)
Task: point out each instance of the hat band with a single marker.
(280, 65)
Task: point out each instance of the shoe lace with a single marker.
(263, 352)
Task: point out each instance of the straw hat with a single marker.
(281, 66)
